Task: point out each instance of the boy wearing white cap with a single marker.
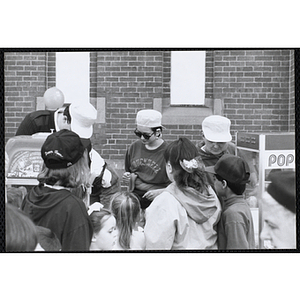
(106, 182)
(144, 160)
(217, 142)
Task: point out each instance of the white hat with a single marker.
(83, 116)
(149, 118)
(216, 129)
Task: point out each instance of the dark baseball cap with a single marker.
(62, 149)
(232, 168)
(283, 188)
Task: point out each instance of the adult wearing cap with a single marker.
(49, 120)
(279, 211)
(57, 202)
(145, 165)
(235, 229)
(106, 183)
(217, 142)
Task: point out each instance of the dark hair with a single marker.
(67, 114)
(98, 218)
(184, 149)
(48, 239)
(21, 234)
(126, 208)
(155, 129)
(237, 188)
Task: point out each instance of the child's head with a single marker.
(20, 232)
(15, 195)
(126, 209)
(104, 230)
(184, 166)
(47, 239)
(230, 171)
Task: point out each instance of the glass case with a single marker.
(25, 161)
(267, 152)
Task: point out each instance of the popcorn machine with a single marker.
(25, 161)
(269, 152)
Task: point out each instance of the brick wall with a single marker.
(292, 92)
(257, 87)
(24, 76)
(128, 80)
(254, 85)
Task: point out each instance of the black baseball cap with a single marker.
(232, 168)
(62, 149)
(283, 189)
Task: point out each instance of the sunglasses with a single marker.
(146, 136)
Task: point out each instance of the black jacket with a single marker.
(37, 121)
(63, 213)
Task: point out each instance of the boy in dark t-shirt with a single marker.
(145, 165)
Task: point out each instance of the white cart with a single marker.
(269, 152)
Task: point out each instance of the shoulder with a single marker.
(73, 204)
(165, 202)
(236, 212)
(40, 113)
(231, 148)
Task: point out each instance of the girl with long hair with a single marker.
(186, 214)
(126, 208)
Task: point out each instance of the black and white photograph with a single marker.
(150, 149)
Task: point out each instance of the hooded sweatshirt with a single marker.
(182, 219)
(63, 213)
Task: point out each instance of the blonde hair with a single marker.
(126, 209)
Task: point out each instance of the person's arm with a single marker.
(152, 194)
(236, 235)
(160, 228)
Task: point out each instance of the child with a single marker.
(185, 215)
(127, 211)
(144, 160)
(104, 226)
(57, 201)
(235, 229)
(20, 231)
(47, 240)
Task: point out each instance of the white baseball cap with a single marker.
(83, 117)
(149, 118)
(216, 129)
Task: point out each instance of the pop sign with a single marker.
(280, 159)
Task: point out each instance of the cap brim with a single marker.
(83, 132)
(210, 169)
(218, 138)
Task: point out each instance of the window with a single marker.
(73, 75)
(187, 77)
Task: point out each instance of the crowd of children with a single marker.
(175, 200)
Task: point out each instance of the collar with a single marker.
(233, 200)
(56, 187)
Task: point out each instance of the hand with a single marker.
(126, 177)
(151, 195)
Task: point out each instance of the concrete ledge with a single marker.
(185, 115)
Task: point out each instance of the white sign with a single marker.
(280, 159)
